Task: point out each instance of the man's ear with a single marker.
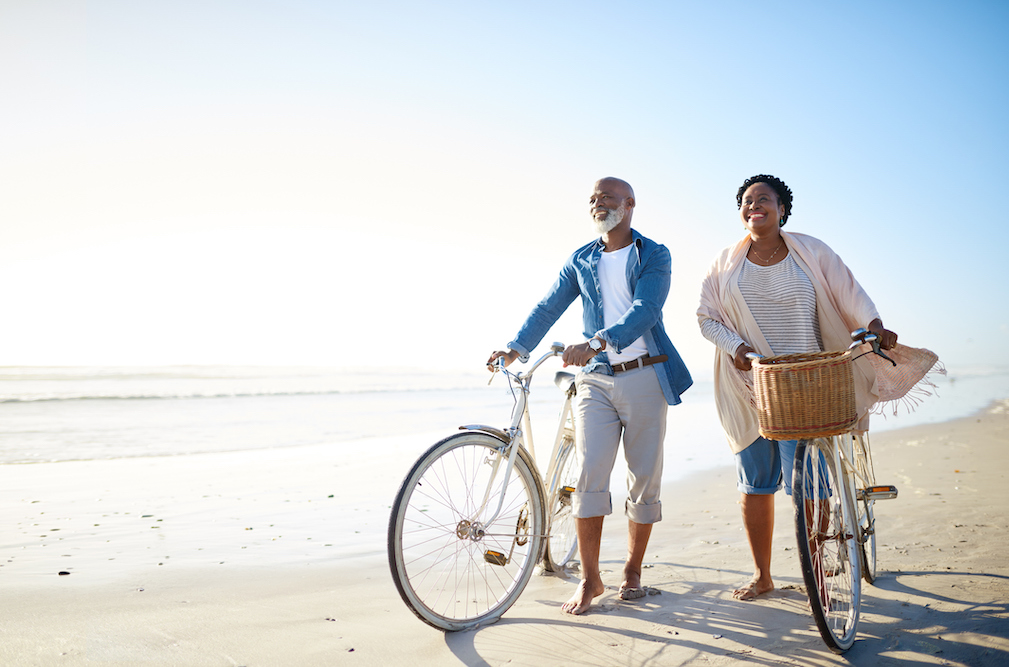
(630, 202)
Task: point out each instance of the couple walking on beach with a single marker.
(772, 292)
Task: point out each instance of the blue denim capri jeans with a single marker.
(766, 465)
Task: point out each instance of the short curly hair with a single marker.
(779, 187)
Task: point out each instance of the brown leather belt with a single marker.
(640, 362)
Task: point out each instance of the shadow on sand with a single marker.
(694, 620)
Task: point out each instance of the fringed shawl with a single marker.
(841, 307)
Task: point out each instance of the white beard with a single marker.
(612, 219)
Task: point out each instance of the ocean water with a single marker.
(63, 414)
(66, 414)
(269, 423)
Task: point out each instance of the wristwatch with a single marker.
(595, 344)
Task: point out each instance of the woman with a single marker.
(776, 292)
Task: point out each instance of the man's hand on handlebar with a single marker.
(509, 356)
(578, 355)
(887, 338)
(740, 360)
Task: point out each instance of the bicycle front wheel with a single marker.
(828, 547)
(563, 541)
(453, 570)
(865, 478)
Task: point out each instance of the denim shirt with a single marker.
(648, 273)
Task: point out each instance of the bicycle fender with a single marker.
(489, 430)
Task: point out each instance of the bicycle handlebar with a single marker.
(556, 349)
(858, 337)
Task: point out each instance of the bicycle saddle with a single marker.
(565, 381)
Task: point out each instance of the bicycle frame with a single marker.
(565, 430)
(518, 433)
(860, 485)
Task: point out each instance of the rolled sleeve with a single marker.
(518, 347)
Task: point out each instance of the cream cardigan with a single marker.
(841, 306)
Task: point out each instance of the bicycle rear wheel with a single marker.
(563, 540)
(828, 548)
(865, 478)
(453, 571)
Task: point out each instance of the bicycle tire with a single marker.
(451, 576)
(828, 554)
(866, 518)
(563, 540)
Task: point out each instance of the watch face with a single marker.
(595, 344)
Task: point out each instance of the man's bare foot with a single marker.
(631, 588)
(751, 590)
(582, 599)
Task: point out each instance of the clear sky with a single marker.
(347, 183)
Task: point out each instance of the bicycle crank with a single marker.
(522, 528)
(521, 539)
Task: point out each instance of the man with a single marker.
(631, 373)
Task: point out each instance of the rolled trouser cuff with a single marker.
(587, 505)
(643, 513)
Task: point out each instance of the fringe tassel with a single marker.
(914, 397)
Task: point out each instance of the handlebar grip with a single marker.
(863, 335)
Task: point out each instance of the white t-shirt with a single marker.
(617, 300)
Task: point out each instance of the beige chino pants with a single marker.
(629, 404)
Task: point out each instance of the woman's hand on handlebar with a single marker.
(740, 360)
(887, 338)
(509, 356)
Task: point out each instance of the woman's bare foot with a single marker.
(582, 599)
(753, 589)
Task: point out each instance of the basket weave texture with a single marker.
(803, 396)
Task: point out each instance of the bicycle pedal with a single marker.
(495, 558)
(879, 492)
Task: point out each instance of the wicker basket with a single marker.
(802, 396)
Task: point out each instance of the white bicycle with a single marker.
(474, 517)
(834, 491)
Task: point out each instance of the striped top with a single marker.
(782, 301)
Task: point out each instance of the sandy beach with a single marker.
(231, 559)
